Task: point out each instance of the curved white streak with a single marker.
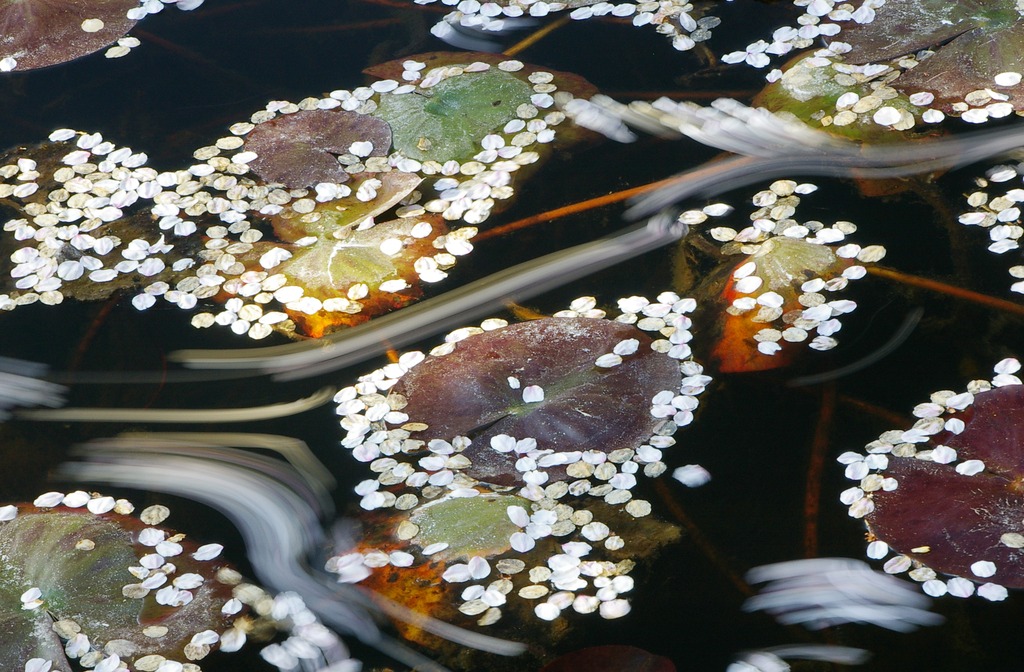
(413, 323)
(822, 592)
(179, 415)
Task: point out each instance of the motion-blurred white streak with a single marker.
(282, 533)
(823, 592)
(771, 659)
(21, 385)
(180, 415)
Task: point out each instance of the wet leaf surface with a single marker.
(39, 33)
(973, 40)
(80, 562)
(467, 393)
(301, 149)
(447, 123)
(959, 518)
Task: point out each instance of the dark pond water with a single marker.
(198, 72)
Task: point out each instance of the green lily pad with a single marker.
(349, 267)
(471, 526)
(83, 585)
(447, 123)
(822, 96)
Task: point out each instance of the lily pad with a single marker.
(90, 585)
(779, 294)
(470, 526)
(823, 96)
(974, 41)
(539, 380)
(39, 33)
(446, 123)
(952, 510)
(67, 236)
(335, 266)
(300, 149)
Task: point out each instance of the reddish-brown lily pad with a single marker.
(301, 149)
(950, 520)
(973, 40)
(584, 407)
(40, 33)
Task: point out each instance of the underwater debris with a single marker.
(941, 497)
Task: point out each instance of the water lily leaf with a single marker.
(83, 585)
(339, 267)
(974, 41)
(779, 294)
(822, 96)
(568, 134)
(947, 516)
(300, 149)
(101, 241)
(469, 525)
(447, 123)
(38, 33)
(489, 387)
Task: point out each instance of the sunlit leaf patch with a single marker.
(550, 421)
(944, 497)
(38, 33)
(853, 101)
(83, 579)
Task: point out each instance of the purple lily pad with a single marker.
(301, 149)
(69, 574)
(40, 33)
(962, 519)
(585, 407)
